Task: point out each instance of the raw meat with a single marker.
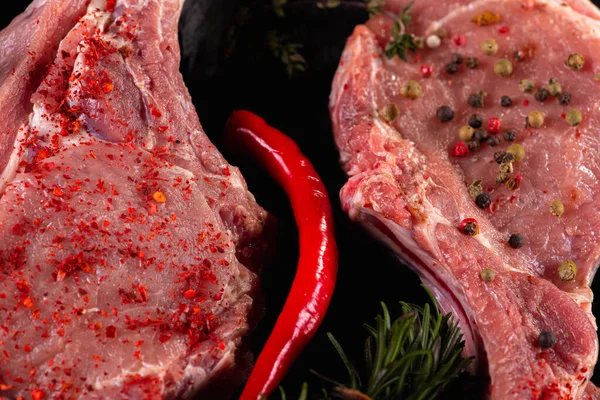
(128, 245)
(408, 188)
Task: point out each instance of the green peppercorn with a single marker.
(557, 208)
(475, 188)
(480, 135)
(473, 145)
(483, 201)
(526, 85)
(512, 183)
(516, 150)
(493, 141)
(575, 61)
(504, 171)
(489, 47)
(475, 121)
(505, 101)
(502, 157)
(487, 274)
(444, 114)
(503, 68)
(510, 135)
(411, 89)
(389, 112)
(564, 99)
(573, 117)
(472, 62)
(567, 271)
(541, 94)
(516, 241)
(456, 58)
(535, 119)
(465, 133)
(546, 339)
(554, 87)
(470, 228)
(451, 68)
(475, 100)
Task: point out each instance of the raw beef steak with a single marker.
(128, 245)
(415, 186)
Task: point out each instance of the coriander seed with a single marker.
(574, 117)
(575, 61)
(526, 85)
(472, 62)
(535, 119)
(517, 151)
(489, 47)
(503, 68)
(557, 208)
(412, 90)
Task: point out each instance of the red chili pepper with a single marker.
(315, 278)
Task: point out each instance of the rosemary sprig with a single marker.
(401, 41)
(288, 52)
(410, 358)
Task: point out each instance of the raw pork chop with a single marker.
(127, 242)
(410, 190)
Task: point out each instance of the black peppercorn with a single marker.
(470, 228)
(510, 135)
(451, 68)
(564, 99)
(456, 58)
(480, 135)
(472, 62)
(475, 100)
(505, 101)
(502, 157)
(494, 140)
(546, 339)
(473, 145)
(516, 241)
(475, 121)
(541, 94)
(444, 114)
(483, 200)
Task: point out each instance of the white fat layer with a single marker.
(10, 171)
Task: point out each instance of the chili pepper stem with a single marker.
(315, 278)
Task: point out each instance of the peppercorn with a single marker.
(564, 99)
(444, 114)
(476, 100)
(503, 68)
(412, 90)
(480, 135)
(472, 62)
(573, 117)
(433, 41)
(546, 339)
(473, 145)
(526, 85)
(483, 200)
(504, 172)
(475, 121)
(541, 94)
(456, 58)
(516, 241)
(513, 182)
(465, 133)
(509, 135)
(470, 228)
(451, 68)
(493, 141)
(554, 87)
(389, 112)
(487, 274)
(489, 47)
(575, 61)
(519, 56)
(535, 119)
(567, 271)
(517, 151)
(475, 188)
(502, 157)
(505, 101)
(557, 208)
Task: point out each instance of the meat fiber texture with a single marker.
(407, 187)
(128, 245)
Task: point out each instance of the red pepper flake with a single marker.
(111, 331)
(460, 149)
(108, 87)
(164, 337)
(162, 128)
(37, 394)
(110, 5)
(426, 70)
(504, 30)
(159, 197)
(139, 343)
(27, 348)
(486, 18)
(459, 40)
(106, 223)
(27, 302)
(143, 292)
(563, 115)
(5, 387)
(493, 126)
(57, 192)
(525, 102)
(190, 294)
(152, 209)
(156, 113)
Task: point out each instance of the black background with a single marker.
(250, 77)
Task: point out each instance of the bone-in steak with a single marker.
(128, 244)
(408, 187)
